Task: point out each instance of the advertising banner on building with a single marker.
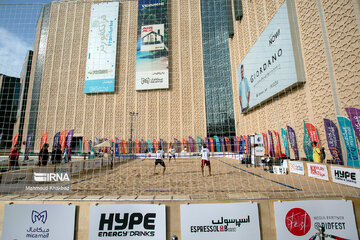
(312, 133)
(152, 60)
(277, 148)
(28, 145)
(293, 144)
(300, 220)
(269, 67)
(348, 135)
(333, 140)
(354, 116)
(296, 167)
(38, 221)
(127, 221)
(15, 141)
(317, 171)
(346, 176)
(101, 57)
(44, 139)
(220, 221)
(271, 150)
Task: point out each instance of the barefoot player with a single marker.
(159, 159)
(205, 159)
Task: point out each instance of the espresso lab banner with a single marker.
(300, 220)
(333, 140)
(296, 167)
(354, 116)
(307, 144)
(348, 135)
(38, 221)
(152, 53)
(346, 176)
(286, 145)
(293, 144)
(269, 67)
(318, 171)
(127, 221)
(220, 221)
(101, 57)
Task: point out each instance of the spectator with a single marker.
(14, 159)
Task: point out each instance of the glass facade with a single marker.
(217, 70)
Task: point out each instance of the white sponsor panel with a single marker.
(76, 167)
(88, 164)
(38, 221)
(279, 170)
(97, 163)
(15, 177)
(259, 151)
(297, 220)
(101, 57)
(220, 221)
(346, 176)
(317, 171)
(296, 167)
(269, 67)
(259, 139)
(127, 221)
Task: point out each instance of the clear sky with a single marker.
(18, 19)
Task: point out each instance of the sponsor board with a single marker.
(220, 221)
(97, 163)
(302, 219)
(317, 171)
(76, 167)
(296, 167)
(346, 176)
(38, 221)
(88, 164)
(125, 221)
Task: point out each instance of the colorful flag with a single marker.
(271, 150)
(15, 141)
(286, 145)
(293, 144)
(307, 144)
(312, 133)
(217, 142)
(27, 146)
(199, 142)
(266, 146)
(62, 139)
(278, 149)
(354, 116)
(333, 140)
(191, 143)
(44, 139)
(69, 141)
(348, 134)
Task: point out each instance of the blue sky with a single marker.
(18, 20)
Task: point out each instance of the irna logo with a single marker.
(51, 177)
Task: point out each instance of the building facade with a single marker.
(207, 44)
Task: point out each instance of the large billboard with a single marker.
(152, 61)
(101, 57)
(269, 67)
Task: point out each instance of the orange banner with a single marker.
(44, 139)
(15, 141)
(62, 139)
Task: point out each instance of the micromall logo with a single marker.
(36, 216)
(51, 177)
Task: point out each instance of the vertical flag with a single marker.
(149, 145)
(266, 144)
(69, 141)
(333, 140)
(293, 144)
(278, 149)
(97, 143)
(91, 150)
(191, 143)
(271, 150)
(199, 142)
(348, 134)
(235, 144)
(354, 116)
(62, 139)
(286, 145)
(307, 143)
(56, 141)
(312, 133)
(15, 141)
(43, 139)
(217, 142)
(27, 146)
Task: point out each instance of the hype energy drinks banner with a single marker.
(101, 57)
(152, 59)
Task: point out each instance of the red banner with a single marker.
(212, 145)
(312, 133)
(15, 141)
(266, 144)
(44, 139)
(62, 139)
(278, 149)
(86, 146)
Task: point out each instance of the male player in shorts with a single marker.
(159, 159)
(205, 159)
(171, 153)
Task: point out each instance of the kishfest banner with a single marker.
(354, 116)
(293, 144)
(300, 220)
(348, 135)
(333, 140)
(101, 57)
(269, 67)
(152, 51)
(127, 221)
(220, 221)
(38, 221)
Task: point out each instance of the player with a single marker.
(159, 159)
(205, 159)
(171, 153)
